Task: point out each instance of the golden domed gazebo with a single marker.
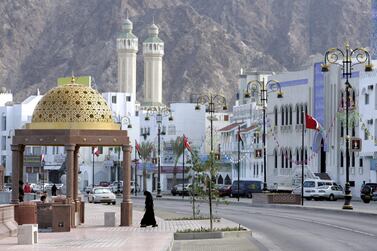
(72, 116)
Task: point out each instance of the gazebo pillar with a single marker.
(69, 162)
(15, 173)
(126, 205)
(21, 161)
(75, 173)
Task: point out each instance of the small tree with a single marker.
(146, 149)
(177, 147)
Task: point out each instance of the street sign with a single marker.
(258, 153)
(355, 144)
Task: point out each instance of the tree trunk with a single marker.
(144, 178)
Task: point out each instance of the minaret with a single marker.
(153, 50)
(127, 47)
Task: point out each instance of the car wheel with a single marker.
(331, 197)
(174, 194)
(366, 200)
(308, 198)
(114, 202)
(108, 203)
(316, 199)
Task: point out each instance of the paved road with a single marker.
(292, 228)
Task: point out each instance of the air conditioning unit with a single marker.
(370, 121)
(370, 87)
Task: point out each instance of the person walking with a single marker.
(53, 190)
(148, 218)
(21, 191)
(27, 188)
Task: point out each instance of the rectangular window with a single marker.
(128, 98)
(361, 162)
(136, 113)
(4, 160)
(366, 98)
(3, 122)
(3, 143)
(114, 99)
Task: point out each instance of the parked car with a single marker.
(311, 187)
(246, 188)
(104, 184)
(114, 186)
(225, 190)
(102, 195)
(180, 190)
(368, 192)
(332, 192)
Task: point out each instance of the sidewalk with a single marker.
(93, 236)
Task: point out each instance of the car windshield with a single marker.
(102, 191)
(309, 184)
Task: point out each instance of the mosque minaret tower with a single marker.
(153, 51)
(127, 47)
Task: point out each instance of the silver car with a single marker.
(102, 195)
(333, 192)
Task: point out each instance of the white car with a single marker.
(102, 195)
(333, 192)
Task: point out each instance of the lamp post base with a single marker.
(347, 198)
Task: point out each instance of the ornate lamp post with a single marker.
(262, 89)
(122, 121)
(212, 102)
(346, 59)
(159, 112)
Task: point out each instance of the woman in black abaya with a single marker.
(148, 218)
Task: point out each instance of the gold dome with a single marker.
(73, 106)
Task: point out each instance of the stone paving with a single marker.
(94, 236)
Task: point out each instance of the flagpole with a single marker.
(183, 167)
(302, 159)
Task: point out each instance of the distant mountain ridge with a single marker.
(206, 41)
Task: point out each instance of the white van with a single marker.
(311, 187)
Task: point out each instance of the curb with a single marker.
(212, 235)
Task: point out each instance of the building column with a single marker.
(15, 173)
(126, 205)
(21, 162)
(69, 162)
(75, 182)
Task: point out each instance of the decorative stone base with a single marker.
(27, 234)
(8, 226)
(276, 198)
(126, 214)
(211, 235)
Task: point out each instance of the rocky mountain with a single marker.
(206, 41)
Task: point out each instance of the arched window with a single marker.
(128, 42)
(220, 180)
(353, 129)
(282, 115)
(341, 129)
(150, 46)
(290, 158)
(341, 99)
(353, 101)
(297, 156)
(276, 115)
(286, 158)
(290, 114)
(297, 114)
(306, 156)
(276, 158)
(341, 159)
(155, 46)
(257, 169)
(353, 159)
(306, 110)
(228, 181)
(302, 115)
(282, 158)
(286, 115)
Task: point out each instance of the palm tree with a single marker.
(146, 149)
(177, 147)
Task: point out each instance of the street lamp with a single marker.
(347, 59)
(125, 120)
(159, 112)
(212, 102)
(262, 89)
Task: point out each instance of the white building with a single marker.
(15, 116)
(153, 51)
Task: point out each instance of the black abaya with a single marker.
(148, 218)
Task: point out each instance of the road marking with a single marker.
(265, 242)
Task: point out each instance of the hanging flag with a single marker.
(239, 137)
(96, 151)
(137, 147)
(186, 144)
(311, 123)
